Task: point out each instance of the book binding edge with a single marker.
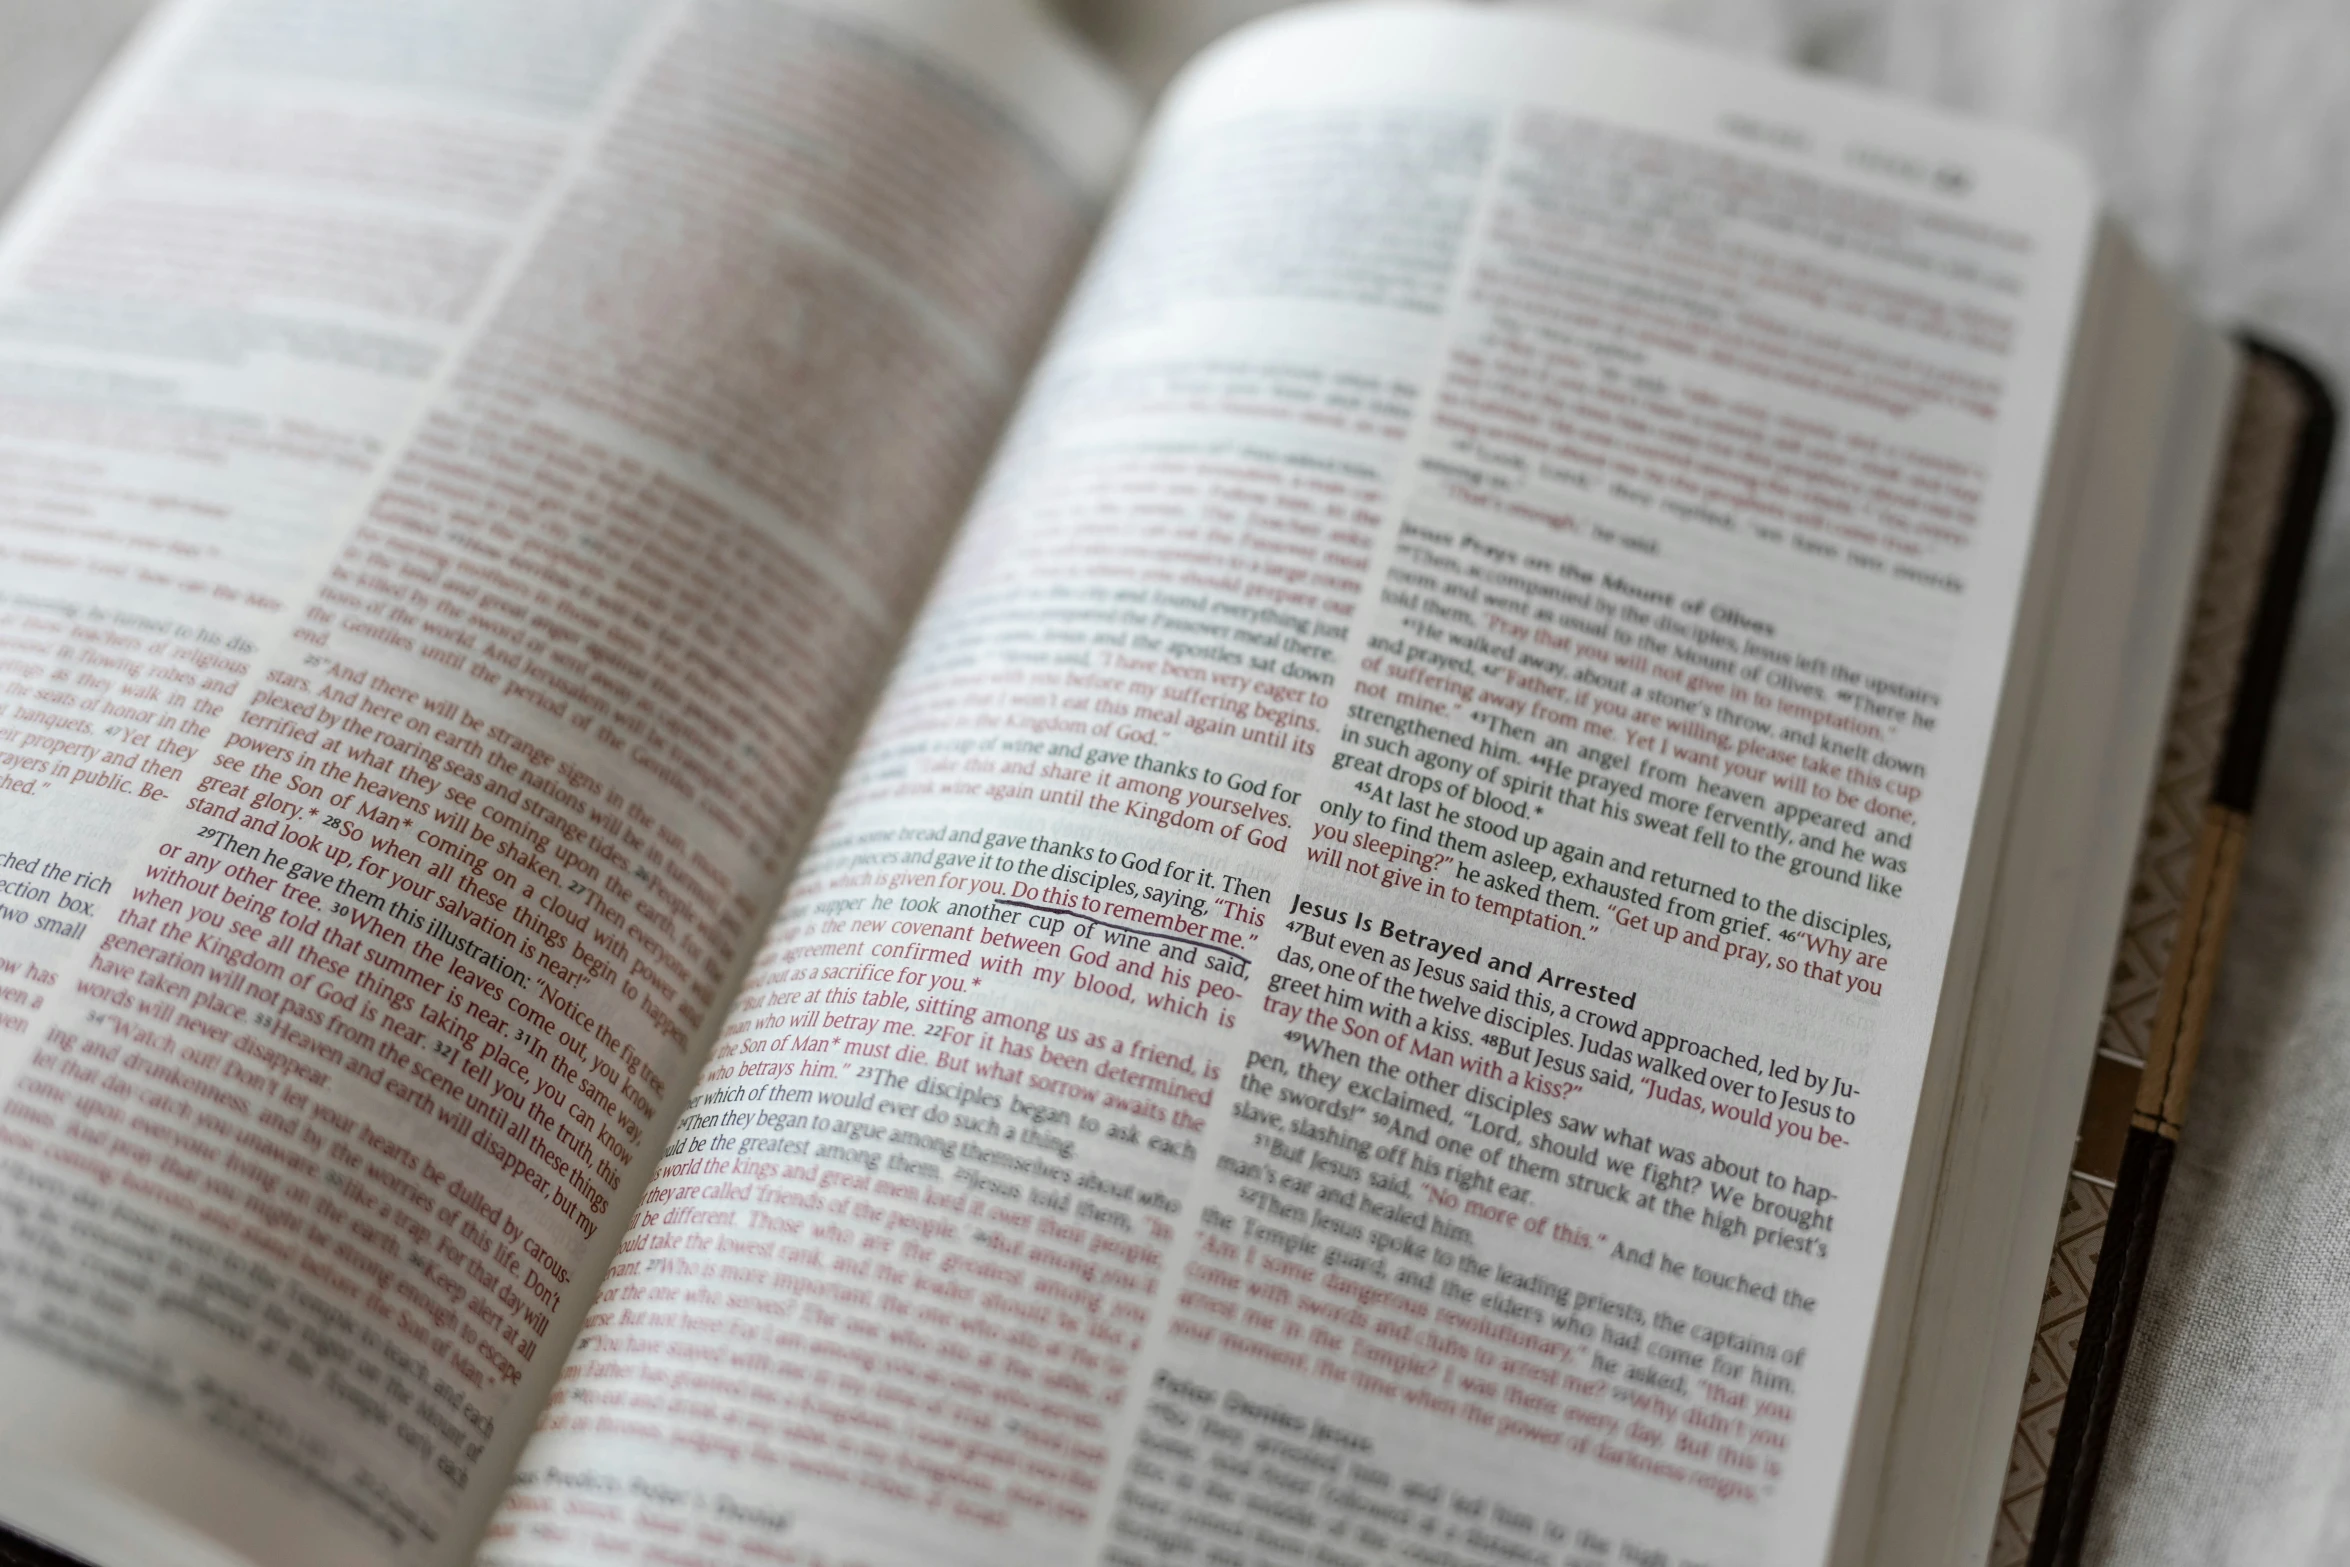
(2140, 1176)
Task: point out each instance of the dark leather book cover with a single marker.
(2168, 956)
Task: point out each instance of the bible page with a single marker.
(464, 466)
(1366, 995)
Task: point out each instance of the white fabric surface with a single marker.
(2222, 128)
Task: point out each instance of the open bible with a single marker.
(772, 793)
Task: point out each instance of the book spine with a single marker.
(2140, 1167)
